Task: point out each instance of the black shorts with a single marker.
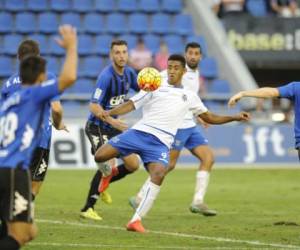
(98, 135)
(15, 195)
(39, 164)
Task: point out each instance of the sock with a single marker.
(202, 180)
(142, 191)
(122, 172)
(3, 229)
(9, 243)
(93, 192)
(151, 193)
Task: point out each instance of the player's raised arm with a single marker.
(57, 116)
(258, 93)
(212, 118)
(68, 41)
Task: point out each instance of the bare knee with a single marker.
(131, 163)
(157, 176)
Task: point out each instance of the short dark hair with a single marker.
(117, 42)
(193, 45)
(30, 68)
(28, 47)
(177, 57)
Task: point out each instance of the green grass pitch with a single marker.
(249, 202)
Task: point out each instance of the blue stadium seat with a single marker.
(25, 23)
(102, 44)
(53, 64)
(138, 24)
(37, 5)
(11, 44)
(257, 8)
(6, 67)
(174, 43)
(82, 6)
(183, 25)
(85, 45)
(14, 5)
(149, 6)
(54, 48)
(160, 24)
(219, 87)
(91, 67)
(83, 86)
(127, 6)
(48, 23)
(116, 24)
(93, 23)
(6, 22)
(209, 68)
(104, 6)
(130, 39)
(71, 18)
(43, 42)
(60, 6)
(201, 40)
(172, 6)
(152, 42)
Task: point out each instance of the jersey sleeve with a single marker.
(288, 91)
(101, 89)
(197, 106)
(140, 98)
(46, 91)
(133, 82)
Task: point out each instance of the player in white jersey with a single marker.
(152, 136)
(190, 137)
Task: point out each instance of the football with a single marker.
(149, 79)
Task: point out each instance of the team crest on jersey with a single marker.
(184, 97)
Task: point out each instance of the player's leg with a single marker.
(16, 208)
(199, 148)
(38, 169)
(298, 149)
(157, 172)
(131, 164)
(96, 139)
(134, 201)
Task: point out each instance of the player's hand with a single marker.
(203, 123)
(118, 124)
(243, 117)
(234, 99)
(68, 39)
(103, 115)
(62, 126)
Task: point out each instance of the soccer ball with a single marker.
(149, 79)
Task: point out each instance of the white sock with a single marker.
(142, 191)
(151, 193)
(202, 180)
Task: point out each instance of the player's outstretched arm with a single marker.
(258, 93)
(218, 119)
(68, 41)
(122, 109)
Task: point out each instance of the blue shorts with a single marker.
(147, 146)
(189, 138)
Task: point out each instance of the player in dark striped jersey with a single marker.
(113, 84)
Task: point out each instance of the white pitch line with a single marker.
(183, 235)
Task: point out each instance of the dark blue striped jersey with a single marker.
(111, 90)
(11, 86)
(21, 117)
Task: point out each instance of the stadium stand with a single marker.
(98, 23)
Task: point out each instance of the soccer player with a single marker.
(40, 160)
(190, 137)
(21, 117)
(111, 89)
(152, 136)
(290, 91)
